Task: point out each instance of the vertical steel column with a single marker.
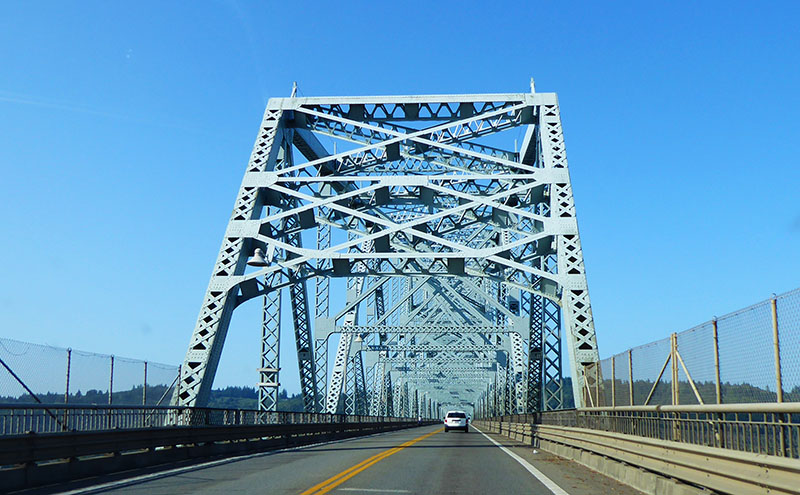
(269, 371)
(205, 345)
(360, 384)
(553, 381)
(406, 401)
(377, 404)
(304, 342)
(339, 374)
(578, 319)
(322, 310)
(369, 388)
(389, 394)
(518, 377)
(397, 395)
(322, 284)
(495, 398)
(535, 308)
(321, 367)
(350, 387)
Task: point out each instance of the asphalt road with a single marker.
(415, 461)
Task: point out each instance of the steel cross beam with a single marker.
(483, 238)
(413, 329)
(456, 347)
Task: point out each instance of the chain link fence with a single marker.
(748, 356)
(32, 373)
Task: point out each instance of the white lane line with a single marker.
(557, 490)
(372, 490)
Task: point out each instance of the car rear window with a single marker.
(456, 415)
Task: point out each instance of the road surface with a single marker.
(414, 461)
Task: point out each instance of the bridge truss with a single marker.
(449, 249)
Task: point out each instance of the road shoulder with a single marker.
(572, 477)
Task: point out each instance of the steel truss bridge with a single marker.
(428, 250)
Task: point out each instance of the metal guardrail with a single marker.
(43, 447)
(28, 460)
(770, 429)
(24, 419)
(731, 448)
(717, 470)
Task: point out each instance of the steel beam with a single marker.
(452, 248)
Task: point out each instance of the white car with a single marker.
(457, 420)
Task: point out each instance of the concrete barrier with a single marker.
(658, 466)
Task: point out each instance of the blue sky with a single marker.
(125, 128)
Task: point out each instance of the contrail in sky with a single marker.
(28, 100)
(19, 99)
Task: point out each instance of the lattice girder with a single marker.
(485, 239)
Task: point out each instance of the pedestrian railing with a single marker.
(19, 419)
(771, 428)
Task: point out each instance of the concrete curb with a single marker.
(633, 476)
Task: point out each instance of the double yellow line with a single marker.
(345, 475)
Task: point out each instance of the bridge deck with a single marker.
(415, 461)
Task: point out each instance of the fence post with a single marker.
(144, 386)
(630, 375)
(716, 360)
(177, 385)
(69, 366)
(613, 384)
(66, 388)
(676, 431)
(776, 343)
(673, 338)
(111, 380)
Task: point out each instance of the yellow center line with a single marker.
(345, 475)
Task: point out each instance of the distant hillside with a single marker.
(247, 397)
(225, 398)
(97, 397)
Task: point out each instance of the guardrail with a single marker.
(728, 448)
(29, 418)
(18, 450)
(101, 440)
(771, 429)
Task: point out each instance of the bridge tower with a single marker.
(451, 248)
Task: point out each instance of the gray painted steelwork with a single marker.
(454, 245)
